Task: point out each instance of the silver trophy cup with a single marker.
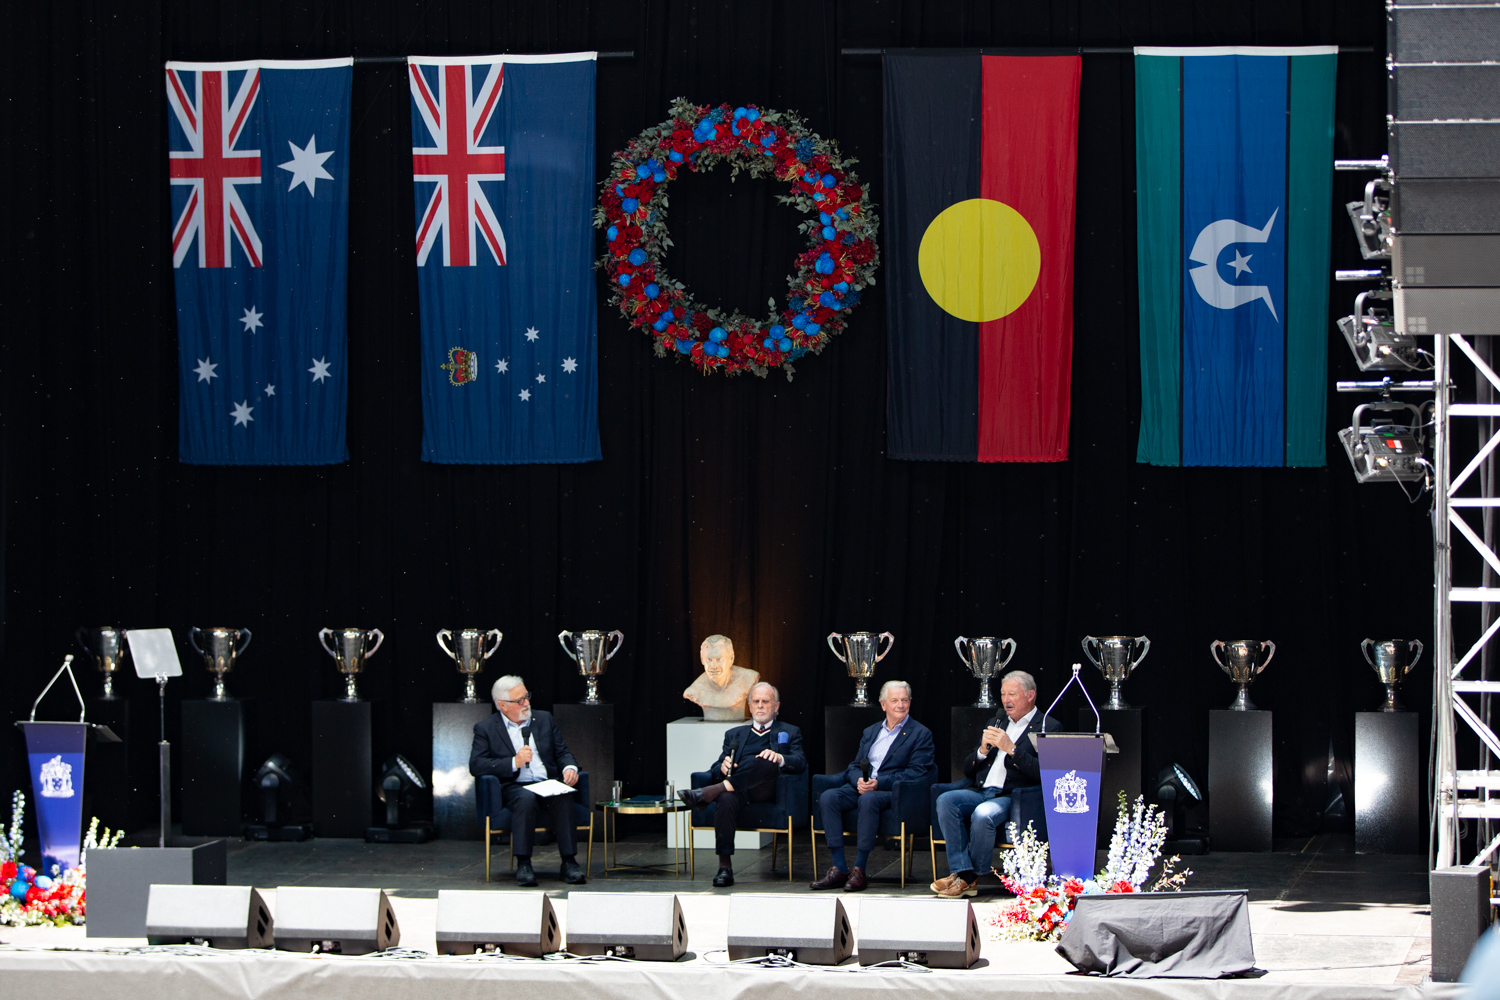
(105, 644)
(1243, 665)
(983, 656)
(349, 653)
(1392, 660)
(1116, 659)
(861, 652)
(591, 650)
(219, 648)
(468, 651)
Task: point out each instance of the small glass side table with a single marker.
(676, 812)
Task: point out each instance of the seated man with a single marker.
(752, 759)
(521, 747)
(897, 749)
(969, 817)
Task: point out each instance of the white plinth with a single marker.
(692, 744)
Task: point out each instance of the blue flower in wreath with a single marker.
(624, 279)
(666, 314)
(768, 140)
(825, 264)
(653, 163)
(717, 335)
(828, 300)
(812, 329)
(841, 287)
(652, 290)
(825, 218)
(829, 180)
(739, 113)
(643, 171)
(829, 232)
(848, 239)
(630, 205)
(659, 326)
(785, 343)
(810, 177)
(675, 156)
(637, 257)
(612, 233)
(659, 176)
(684, 346)
(777, 331)
(799, 321)
(851, 300)
(842, 213)
(804, 149)
(752, 114)
(619, 189)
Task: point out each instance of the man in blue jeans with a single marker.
(1004, 761)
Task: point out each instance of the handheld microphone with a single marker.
(526, 735)
(865, 768)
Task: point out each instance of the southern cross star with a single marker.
(525, 395)
(319, 369)
(205, 371)
(569, 365)
(251, 319)
(532, 334)
(502, 366)
(242, 413)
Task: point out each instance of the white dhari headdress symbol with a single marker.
(1211, 286)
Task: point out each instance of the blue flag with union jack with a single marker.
(258, 155)
(503, 163)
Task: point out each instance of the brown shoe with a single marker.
(857, 880)
(833, 880)
(959, 888)
(943, 883)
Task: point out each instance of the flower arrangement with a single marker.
(1044, 904)
(32, 898)
(828, 276)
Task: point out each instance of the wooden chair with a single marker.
(498, 819)
(777, 818)
(910, 810)
(1025, 805)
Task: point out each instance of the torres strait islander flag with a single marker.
(1234, 192)
(981, 162)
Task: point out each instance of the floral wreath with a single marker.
(830, 275)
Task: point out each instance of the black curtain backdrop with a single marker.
(762, 509)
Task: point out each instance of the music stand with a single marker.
(155, 656)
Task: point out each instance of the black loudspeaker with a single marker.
(220, 916)
(334, 921)
(809, 929)
(1144, 935)
(646, 926)
(1460, 914)
(514, 923)
(938, 933)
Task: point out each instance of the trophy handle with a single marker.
(888, 645)
(193, 639)
(79, 636)
(246, 646)
(379, 638)
(1003, 643)
(831, 637)
(1364, 647)
(1145, 648)
(1417, 643)
(958, 647)
(564, 644)
(499, 638)
(619, 638)
(1086, 640)
(443, 645)
(1214, 648)
(323, 634)
(1261, 669)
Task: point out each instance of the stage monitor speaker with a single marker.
(813, 930)
(334, 921)
(937, 933)
(513, 923)
(646, 926)
(1143, 935)
(220, 916)
(1460, 914)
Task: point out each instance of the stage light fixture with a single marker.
(1372, 219)
(1386, 450)
(1175, 790)
(1371, 334)
(279, 781)
(399, 783)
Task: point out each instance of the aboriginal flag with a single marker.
(980, 168)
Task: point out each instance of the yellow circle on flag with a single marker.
(979, 259)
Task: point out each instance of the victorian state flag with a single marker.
(981, 159)
(1234, 154)
(258, 155)
(503, 162)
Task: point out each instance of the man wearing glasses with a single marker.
(520, 747)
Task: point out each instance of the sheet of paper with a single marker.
(547, 789)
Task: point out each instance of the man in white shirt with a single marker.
(1004, 761)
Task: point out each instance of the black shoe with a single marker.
(857, 881)
(572, 873)
(524, 875)
(692, 798)
(724, 879)
(835, 879)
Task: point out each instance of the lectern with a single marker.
(1072, 764)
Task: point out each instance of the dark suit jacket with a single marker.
(1022, 768)
(734, 740)
(492, 748)
(913, 756)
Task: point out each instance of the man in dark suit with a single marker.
(521, 747)
(753, 757)
(1005, 760)
(898, 748)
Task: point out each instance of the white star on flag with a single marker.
(205, 371)
(319, 369)
(541, 378)
(525, 395)
(270, 389)
(502, 366)
(532, 334)
(1241, 263)
(251, 319)
(241, 414)
(569, 365)
(306, 166)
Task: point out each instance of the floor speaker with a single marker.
(1143, 935)
(813, 930)
(334, 921)
(646, 926)
(937, 933)
(513, 923)
(1460, 914)
(220, 916)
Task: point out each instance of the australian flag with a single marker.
(258, 154)
(503, 163)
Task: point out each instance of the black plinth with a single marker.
(112, 791)
(842, 726)
(453, 808)
(343, 774)
(589, 731)
(1239, 780)
(1122, 771)
(213, 767)
(966, 726)
(1387, 808)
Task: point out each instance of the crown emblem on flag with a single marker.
(462, 366)
(1070, 793)
(57, 779)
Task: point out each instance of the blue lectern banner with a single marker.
(1071, 766)
(54, 752)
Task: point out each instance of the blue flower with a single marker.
(739, 112)
(804, 150)
(778, 331)
(851, 300)
(825, 218)
(841, 287)
(624, 279)
(637, 257)
(659, 325)
(654, 164)
(825, 264)
(842, 213)
(810, 177)
(611, 233)
(685, 347)
(667, 314)
(785, 343)
(675, 156)
(717, 114)
(768, 344)
(768, 140)
(643, 171)
(630, 205)
(769, 153)
(848, 239)
(717, 335)
(652, 290)
(659, 176)
(794, 302)
(827, 299)
(829, 232)
(723, 350)
(752, 114)
(812, 329)
(736, 129)
(799, 321)
(619, 189)
(829, 180)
